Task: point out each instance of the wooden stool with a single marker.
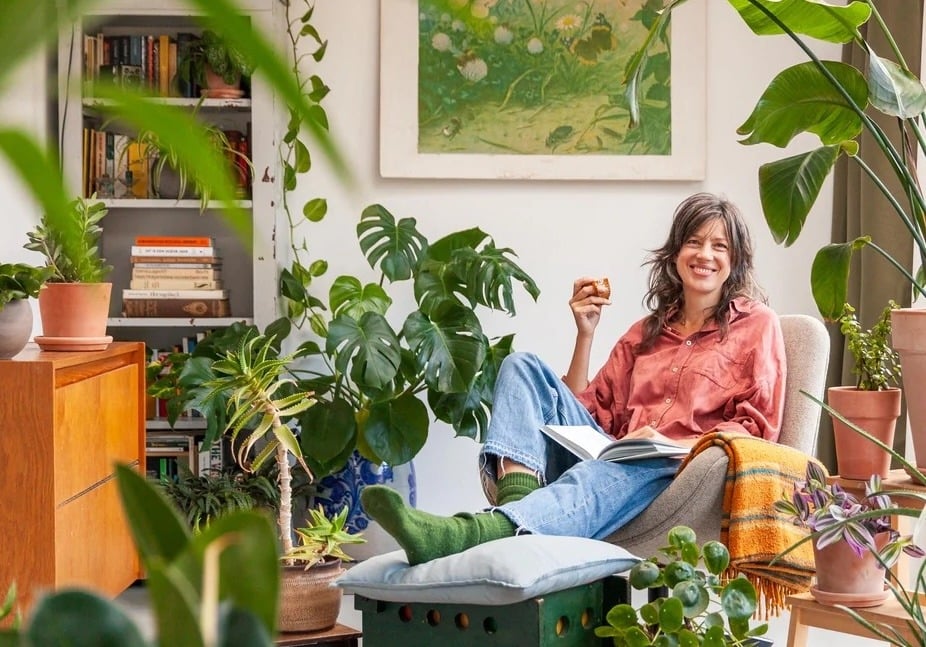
(807, 612)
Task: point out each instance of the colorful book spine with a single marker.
(163, 261)
(174, 294)
(179, 250)
(174, 241)
(185, 272)
(176, 308)
(174, 284)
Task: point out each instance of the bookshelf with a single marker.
(246, 263)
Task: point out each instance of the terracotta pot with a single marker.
(217, 88)
(15, 327)
(845, 578)
(74, 310)
(874, 411)
(908, 337)
(308, 601)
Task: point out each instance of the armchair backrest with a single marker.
(807, 353)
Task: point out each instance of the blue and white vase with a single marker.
(343, 488)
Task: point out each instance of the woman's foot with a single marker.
(426, 536)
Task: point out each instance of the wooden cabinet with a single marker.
(66, 418)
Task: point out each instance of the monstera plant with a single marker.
(375, 372)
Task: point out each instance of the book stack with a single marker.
(175, 276)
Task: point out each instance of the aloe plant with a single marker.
(322, 538)
(827, 100)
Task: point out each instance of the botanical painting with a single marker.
(535, 89)
(533, 77)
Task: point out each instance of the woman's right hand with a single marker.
(586, 304)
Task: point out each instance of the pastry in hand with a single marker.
(603, 288)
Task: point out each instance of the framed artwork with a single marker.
(533, 89)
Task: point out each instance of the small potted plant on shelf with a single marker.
(18, 283)
(683, 613)
(74, 303)
(854, 541)
(215, 65)
(873, 403)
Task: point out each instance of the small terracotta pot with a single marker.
(874, 411)
(74, 309)
(308, 601)
(217, 88)
(845, 578)
(908, 337)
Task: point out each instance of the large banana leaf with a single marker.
(449, 345)
(832, 23)
(801, 99)
(394, 246)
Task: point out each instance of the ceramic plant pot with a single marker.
(847, 579)
(217, 88)
(874, 411)
(15, 327)
(308, 602)
(74, 316)
(908, 337)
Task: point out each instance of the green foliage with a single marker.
(697, 604)
(204, 497)
(74, 260)
(21, 281)
(877, 365)
(828, 100)
(322, 538)
(217, 587)
(210, 49)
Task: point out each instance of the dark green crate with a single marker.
(562, 619)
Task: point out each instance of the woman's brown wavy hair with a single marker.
(665, 296)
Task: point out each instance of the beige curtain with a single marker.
(860, 209)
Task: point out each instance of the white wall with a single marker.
(548, 223)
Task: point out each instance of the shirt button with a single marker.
(652, 423)
(668, 400)
(675, 369)
(688, 343)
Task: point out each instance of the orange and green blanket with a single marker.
(759, 473)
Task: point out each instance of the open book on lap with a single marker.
(588, 443)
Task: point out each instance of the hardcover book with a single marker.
(176, 308)
(174, 294)
(202, 261)
(589, 444)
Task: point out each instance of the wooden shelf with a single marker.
(154, 203)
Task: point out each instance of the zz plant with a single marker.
(697, 607)
(876, 364)
(73, 252)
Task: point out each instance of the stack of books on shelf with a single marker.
(175, 276)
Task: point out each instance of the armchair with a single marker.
(695, 497)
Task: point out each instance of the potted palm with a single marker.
(74, 303)
(828, 100)
(873, 403)
(18, 283)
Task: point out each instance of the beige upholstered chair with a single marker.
(694, 499)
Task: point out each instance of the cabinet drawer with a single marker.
(97, 424)
(93, 545)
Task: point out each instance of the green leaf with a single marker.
(315, 209)
(800, 99)
(329, 433)
(622, 616)
(671, 615)
(347, 297)
(831, 23)
(158, 530)
(829, 276)
(81, 619)
(693, 596)
(395, 247)
(240, 628)
(894, 90)
(739, 600)
(174, 593)
(303, 158)
(397, 430)
(370, 346)
(449, 345)
(789, 187)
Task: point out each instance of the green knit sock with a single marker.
(514, 486)
(425, 536)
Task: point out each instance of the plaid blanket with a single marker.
(759, 473)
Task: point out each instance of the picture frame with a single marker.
(401, 156)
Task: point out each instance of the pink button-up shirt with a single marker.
(687, 386)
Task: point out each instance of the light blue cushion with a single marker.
(499, 572)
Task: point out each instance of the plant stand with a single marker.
(564, 618)
(807, 612)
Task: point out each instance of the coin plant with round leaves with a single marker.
(698, 608)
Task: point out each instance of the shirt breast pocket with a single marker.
(727, 373)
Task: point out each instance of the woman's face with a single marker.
(703, 262)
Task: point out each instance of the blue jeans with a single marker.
(579, 498)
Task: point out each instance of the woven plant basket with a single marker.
(308, 601)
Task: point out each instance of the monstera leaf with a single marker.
(395, 247)
(369, 347)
